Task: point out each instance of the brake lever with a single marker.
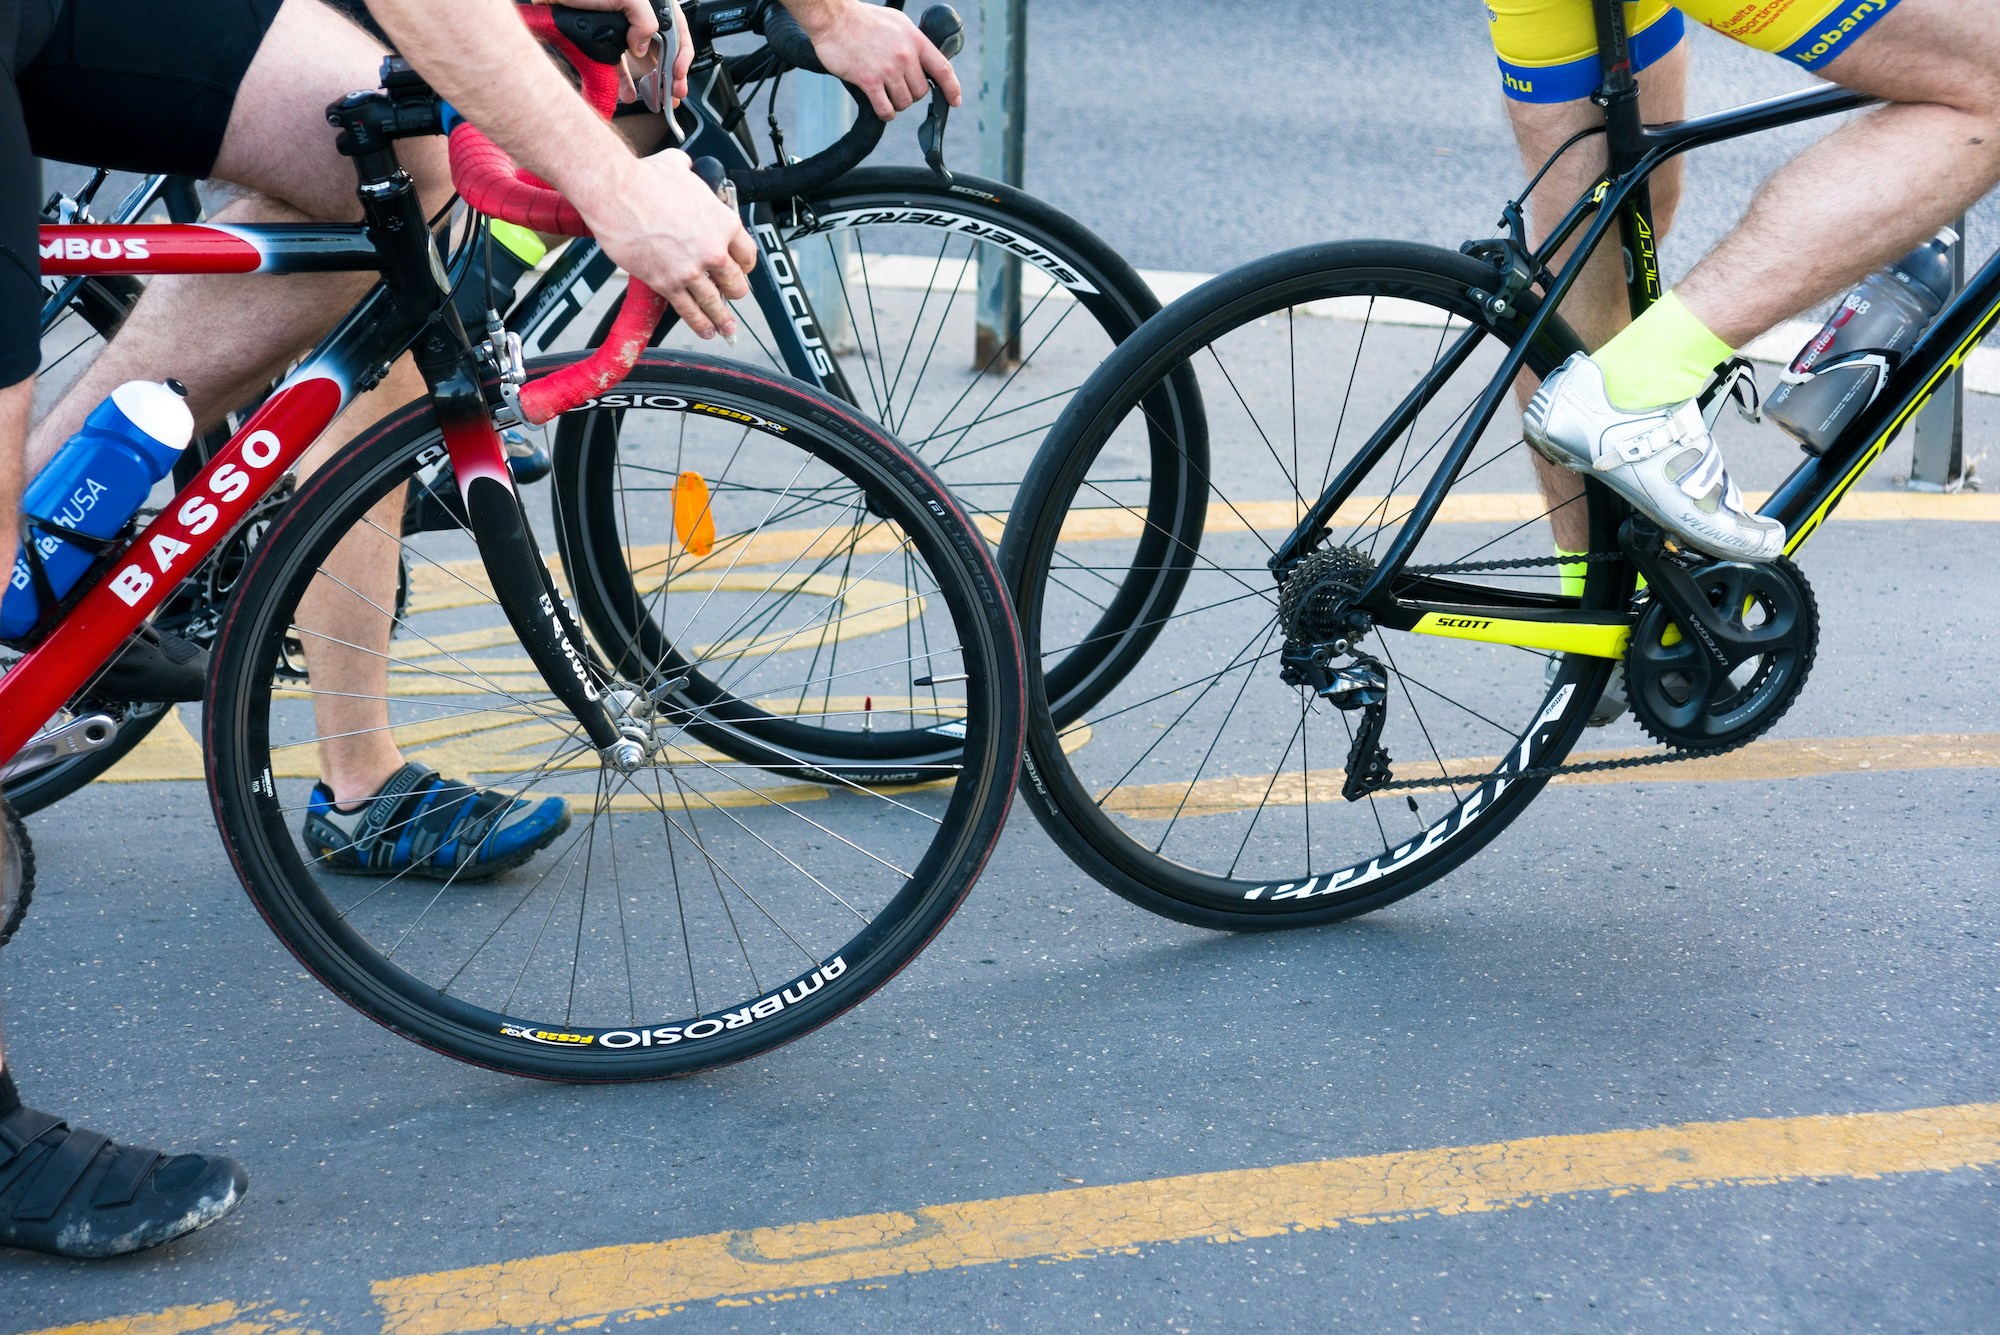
(716, 177)
(930, 135)
(942, 27)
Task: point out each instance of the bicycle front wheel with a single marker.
(1210, 784)
(696, 911)
(892, 260)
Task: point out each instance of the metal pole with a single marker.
(1937, 440)
(1003, 119)
(825, 112)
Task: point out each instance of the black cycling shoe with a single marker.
(438, 508)
(78, 1194)
(155, 666)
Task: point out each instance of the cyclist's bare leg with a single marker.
(225, 338)
(344, 618)
(15, 400)
(1597, 306)
(1876, 187)
(278, 144)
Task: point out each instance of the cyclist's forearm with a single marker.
(816, 16)
(483, 61)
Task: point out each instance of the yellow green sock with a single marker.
(1665, 356)
(1572, 573)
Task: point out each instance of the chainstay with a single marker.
(1663, 757)
(1554, 771)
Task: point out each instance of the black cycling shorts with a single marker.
(135, 85)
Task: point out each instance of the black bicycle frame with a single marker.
(1634, 152)
(583, 269)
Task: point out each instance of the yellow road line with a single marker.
(456, 582)
(1789, 759)
(201, 1319)
(589, 1287)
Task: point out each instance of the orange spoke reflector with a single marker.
(694, 515)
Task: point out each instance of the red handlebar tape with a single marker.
(490, 182)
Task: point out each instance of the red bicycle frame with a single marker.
(139, 578)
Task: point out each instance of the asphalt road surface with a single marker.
(1815, 942)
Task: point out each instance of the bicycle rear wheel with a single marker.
(696, 912)
(891, 258)
(1204, 785)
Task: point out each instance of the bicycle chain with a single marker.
(1543, 771)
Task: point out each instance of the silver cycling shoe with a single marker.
(1610, 706)
(1664, 461)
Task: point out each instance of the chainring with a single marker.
(1676, 694)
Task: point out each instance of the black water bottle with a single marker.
(1840, 372)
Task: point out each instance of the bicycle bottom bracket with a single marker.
(1765, 628)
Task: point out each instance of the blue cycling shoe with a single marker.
(423, 825)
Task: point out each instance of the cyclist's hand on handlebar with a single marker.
(672, 233)
(878, 50)
(644, 21)
(637, 76)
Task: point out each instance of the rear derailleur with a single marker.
(1319, 630)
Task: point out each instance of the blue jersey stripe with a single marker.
(1830, 38)
(1574, 80)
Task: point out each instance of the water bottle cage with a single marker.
(1735, 383)
(54, 608)
(1883, 361)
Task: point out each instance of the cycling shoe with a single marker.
(155, 666)
(1663, 461)
(429, 826)
(79, 1194)
(1610, 706)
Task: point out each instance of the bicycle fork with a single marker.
(522, 584)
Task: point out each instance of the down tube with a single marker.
(192, 525)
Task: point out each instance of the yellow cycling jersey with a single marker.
(1548, 48)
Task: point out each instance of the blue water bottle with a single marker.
(94, 485)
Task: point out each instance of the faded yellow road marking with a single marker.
(1790, 759)
(202, 1319)
(1500, 507)
(587, 1287)
(455, 583)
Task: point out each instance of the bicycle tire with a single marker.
(391, 948)
(103, 303)
(1112, 846)
(20, 850)
(883, 211)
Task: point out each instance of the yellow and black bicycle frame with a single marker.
(1428, 606)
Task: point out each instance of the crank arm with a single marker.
(1723, 645)
(78, 737)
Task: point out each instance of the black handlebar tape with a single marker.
(601, 35)
(945, 29)
(789, 40)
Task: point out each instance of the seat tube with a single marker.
(1625, 145)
